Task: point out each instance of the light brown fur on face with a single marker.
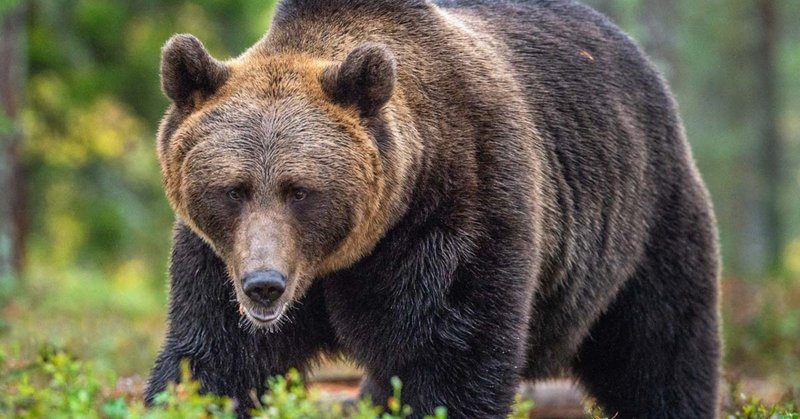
(270, 127)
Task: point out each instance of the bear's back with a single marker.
(607, 119)
(603, 115)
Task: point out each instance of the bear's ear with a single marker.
(365, 79)
(187, 69)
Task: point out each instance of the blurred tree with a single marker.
(12, 83)
(729, 63)
(661, 18)
(770, 149)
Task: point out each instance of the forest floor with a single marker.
(117, 326)
(339, 382)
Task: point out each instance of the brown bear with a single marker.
(462, 194)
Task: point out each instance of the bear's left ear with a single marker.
(188, 69)
(365, 79)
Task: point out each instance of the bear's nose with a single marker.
(264, 287)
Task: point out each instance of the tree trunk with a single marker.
(770, 146)
(12, 82)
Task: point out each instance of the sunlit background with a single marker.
(85, 228)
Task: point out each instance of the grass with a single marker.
(117, 320)
(55, 384)
(749, 408)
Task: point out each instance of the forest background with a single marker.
(85, 228)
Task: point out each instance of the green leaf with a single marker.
(6, 123)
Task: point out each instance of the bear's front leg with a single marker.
(478, 381)
(464, 351)
(227, 355)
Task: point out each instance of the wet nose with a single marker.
(264, 287)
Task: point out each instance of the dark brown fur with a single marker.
(496, 192)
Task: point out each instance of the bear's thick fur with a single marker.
(464, 195)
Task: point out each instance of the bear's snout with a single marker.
(264, 287)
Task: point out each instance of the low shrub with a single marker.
(55, 384)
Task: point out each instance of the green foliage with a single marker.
(288, 399)
(743, 407)
(56, 384)
(6, 125)
(762, 329)
(184, 400)
(522, 408)
(6, 5)
(115, 320)
(754, 409)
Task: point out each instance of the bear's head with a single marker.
(276, 162)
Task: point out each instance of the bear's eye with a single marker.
(299, 194)
(235, 195)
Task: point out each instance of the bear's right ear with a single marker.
(187, 69)
(365, 79)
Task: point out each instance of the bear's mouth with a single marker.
(263, 316)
